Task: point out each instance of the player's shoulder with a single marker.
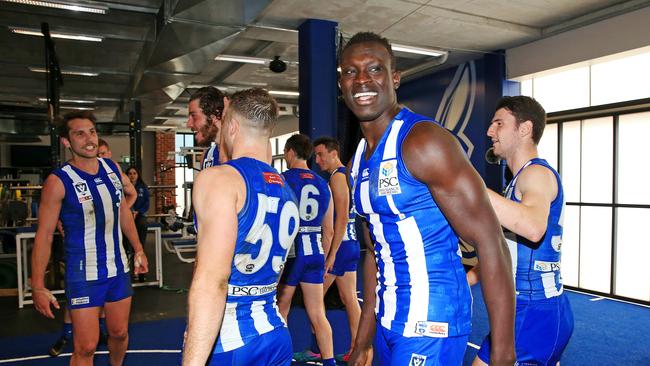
(216, 174)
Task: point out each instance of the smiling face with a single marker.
(368, 81)
(325, 159)
(82, 138)
(205, 130)
(504, 132)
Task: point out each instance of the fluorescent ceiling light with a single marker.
(76, 37)
(161, 127)
(284, 92)
(65, 72)
(63, 5)
(417, 50)
(78, 108)
(79, 101)
(244, 59)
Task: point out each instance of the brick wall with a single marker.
(165, 143)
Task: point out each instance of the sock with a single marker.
(314, 344)
(66, 332)
(329, 362)
(102, 325)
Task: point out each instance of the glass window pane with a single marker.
(571, 161)
(595, 248)
(633, 177)
(180, 196)
(620, 80)
(563, 90)
(597, 158)
(527, 87)
(632, 252)
(547, 147)
(571, 246)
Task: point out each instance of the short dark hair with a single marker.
(257, 106)
(210, 101)
(301, 145)
(102, 142)
(62, 125)
(524, 109)
(369, 37)
(330, 143)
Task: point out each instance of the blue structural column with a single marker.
(317, 77)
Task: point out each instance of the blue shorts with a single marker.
(397, 350)
(273, 349)
(542, 331)
(347, 258)
(308, 269)
(87, 294)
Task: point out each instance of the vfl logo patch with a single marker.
(432, 329)
(417, 360)
(81, 189)
(80, 300)
(388, 182)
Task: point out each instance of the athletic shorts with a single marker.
(88, 294)
(308, 269)
(347, 258)
(542, 331)
(394, 349)
(272, 349)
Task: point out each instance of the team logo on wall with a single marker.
(457, 104)
(388, 182)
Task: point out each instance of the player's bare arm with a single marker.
(216, 212)
(341, 196)
(327, 233)
(50, 207)
(434, 157)
(368, 321)
(536, 189)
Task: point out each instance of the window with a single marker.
(277, 148)
(183, 174)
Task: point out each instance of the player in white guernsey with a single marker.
(416, 189)
(205, 112)
(86, 195)
(248, 218)
(532, 212)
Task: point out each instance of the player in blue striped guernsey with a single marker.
(204, 119)
(345, 247)
(532, 213)
(417, 190)
(86, 195)
(313, 241)
(248, 218)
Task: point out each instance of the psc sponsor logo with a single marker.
(542, 266)
(250, 290)
(388, 182)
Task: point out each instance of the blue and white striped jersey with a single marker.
(421, 285)
(90, 213)
(537, 271)
(351, 232)
(266, 227)
(313, 201)
(211, 157)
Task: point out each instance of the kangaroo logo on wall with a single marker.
(457, 104)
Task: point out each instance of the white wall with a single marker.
(614, 35)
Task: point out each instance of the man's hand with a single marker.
(42, 299)
(140, 263)
(360, 357)
(329, 263)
